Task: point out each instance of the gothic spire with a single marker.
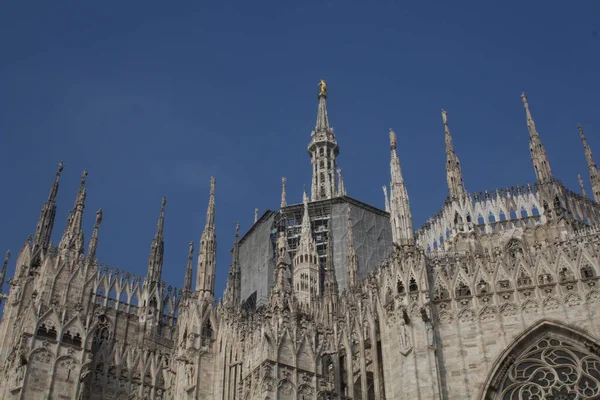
(3, 270)
(187, 282)
(306, 272)
(281, 284)
(207, 254)
(73, 236)
(454, 175)
(581, 186)
(351, 261)
(323, 150)
(233, 289)
(255, 215)
(330, 284)
(283, 194)
(400, 215)
(157, 250)
(45, 223)
(93, 245)
(307, 243)
(341, 188)
(385, 199)
(539, 158)
(592, 168)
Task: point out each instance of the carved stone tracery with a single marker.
(552, 368)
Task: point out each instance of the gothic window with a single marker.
(535, 212)
(469, 218)
(400, 287)
(552, 368)
(45, 332)
(70, 338)
(412, 286)
(463, 290)
(524, 213)
(587, 271)
(101, 334)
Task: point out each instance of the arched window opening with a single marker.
(400, 287)
(551, 366)
(47, 332)
(463, 290)
(73, 339)
(101, 334)
(587, 271)
(412, 286)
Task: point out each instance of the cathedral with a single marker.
(494, 297)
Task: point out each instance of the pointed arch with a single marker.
(503, 280)
(482, 282)
(441, 291)
(537, 360)
(544, 273)
(462, 288)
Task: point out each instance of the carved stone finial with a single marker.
(98, 216)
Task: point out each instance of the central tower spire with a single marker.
(323, 150)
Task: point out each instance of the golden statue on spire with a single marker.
(323, 87)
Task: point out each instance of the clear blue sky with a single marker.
(153, 98)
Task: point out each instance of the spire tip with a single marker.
(98, 216)
(392, 139)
